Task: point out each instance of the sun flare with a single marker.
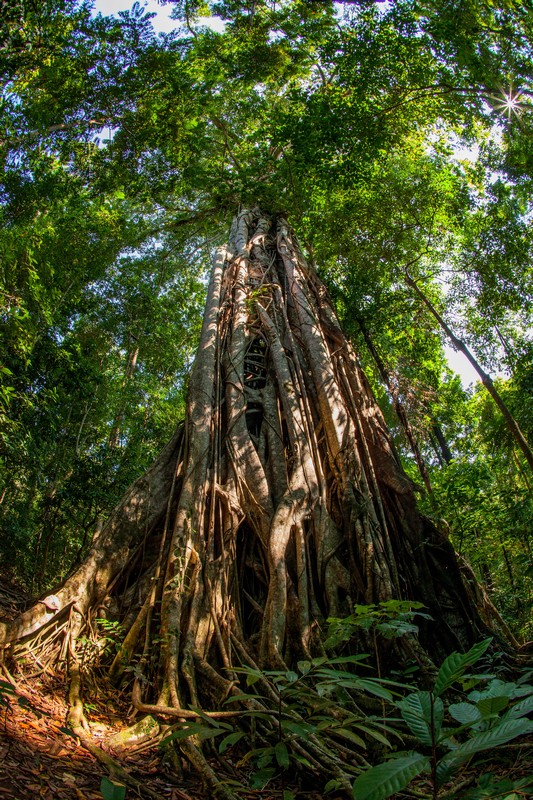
(510, 103)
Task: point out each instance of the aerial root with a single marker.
(197, 760)
(80, 727)
(172, 711)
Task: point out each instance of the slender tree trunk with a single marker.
(114, 436)
(445, 451)
(436, 449)
(486, 380)
(399, 407)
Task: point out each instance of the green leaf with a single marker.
(291, 676)
(375, 688)
(301, 729)
(489, 706)
(350, 659)
(396, 628)
(375, 734)
(195, 729)
(282, 754)
(417, 713)
(456, 663)
(230, 740)
(260, 778)
(351, 736)
(303, 761)
(358, 684)
(519, 709)
(386, 779)
(237, 698)
(332, 786)
(256, 714)
(252, 676)
(498, 688)
(266, 756)
(490, 786)
(111, 790)
(210, 721)
(465, 713)
(499, 734)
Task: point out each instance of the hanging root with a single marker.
(215, 786)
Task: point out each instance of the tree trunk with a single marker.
(399, 407)
(486, 380)
(133, 354)
(278, 504)
(444, 448)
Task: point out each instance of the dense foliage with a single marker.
(396, 138)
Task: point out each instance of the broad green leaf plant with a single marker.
(488, 718)
(292, 708)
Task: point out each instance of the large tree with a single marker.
(280, 501)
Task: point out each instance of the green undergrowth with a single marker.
(339, 724)
(382, 737)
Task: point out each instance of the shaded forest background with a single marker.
(394, 136)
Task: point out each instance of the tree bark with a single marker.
(444, 449)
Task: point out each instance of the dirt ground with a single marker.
(40, 759)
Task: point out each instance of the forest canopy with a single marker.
(381, 150)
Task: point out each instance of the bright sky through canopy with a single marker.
(162, 22)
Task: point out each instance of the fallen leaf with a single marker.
(56, 749)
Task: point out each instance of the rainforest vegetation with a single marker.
(240, 483)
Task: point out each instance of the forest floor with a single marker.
(40, 759)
